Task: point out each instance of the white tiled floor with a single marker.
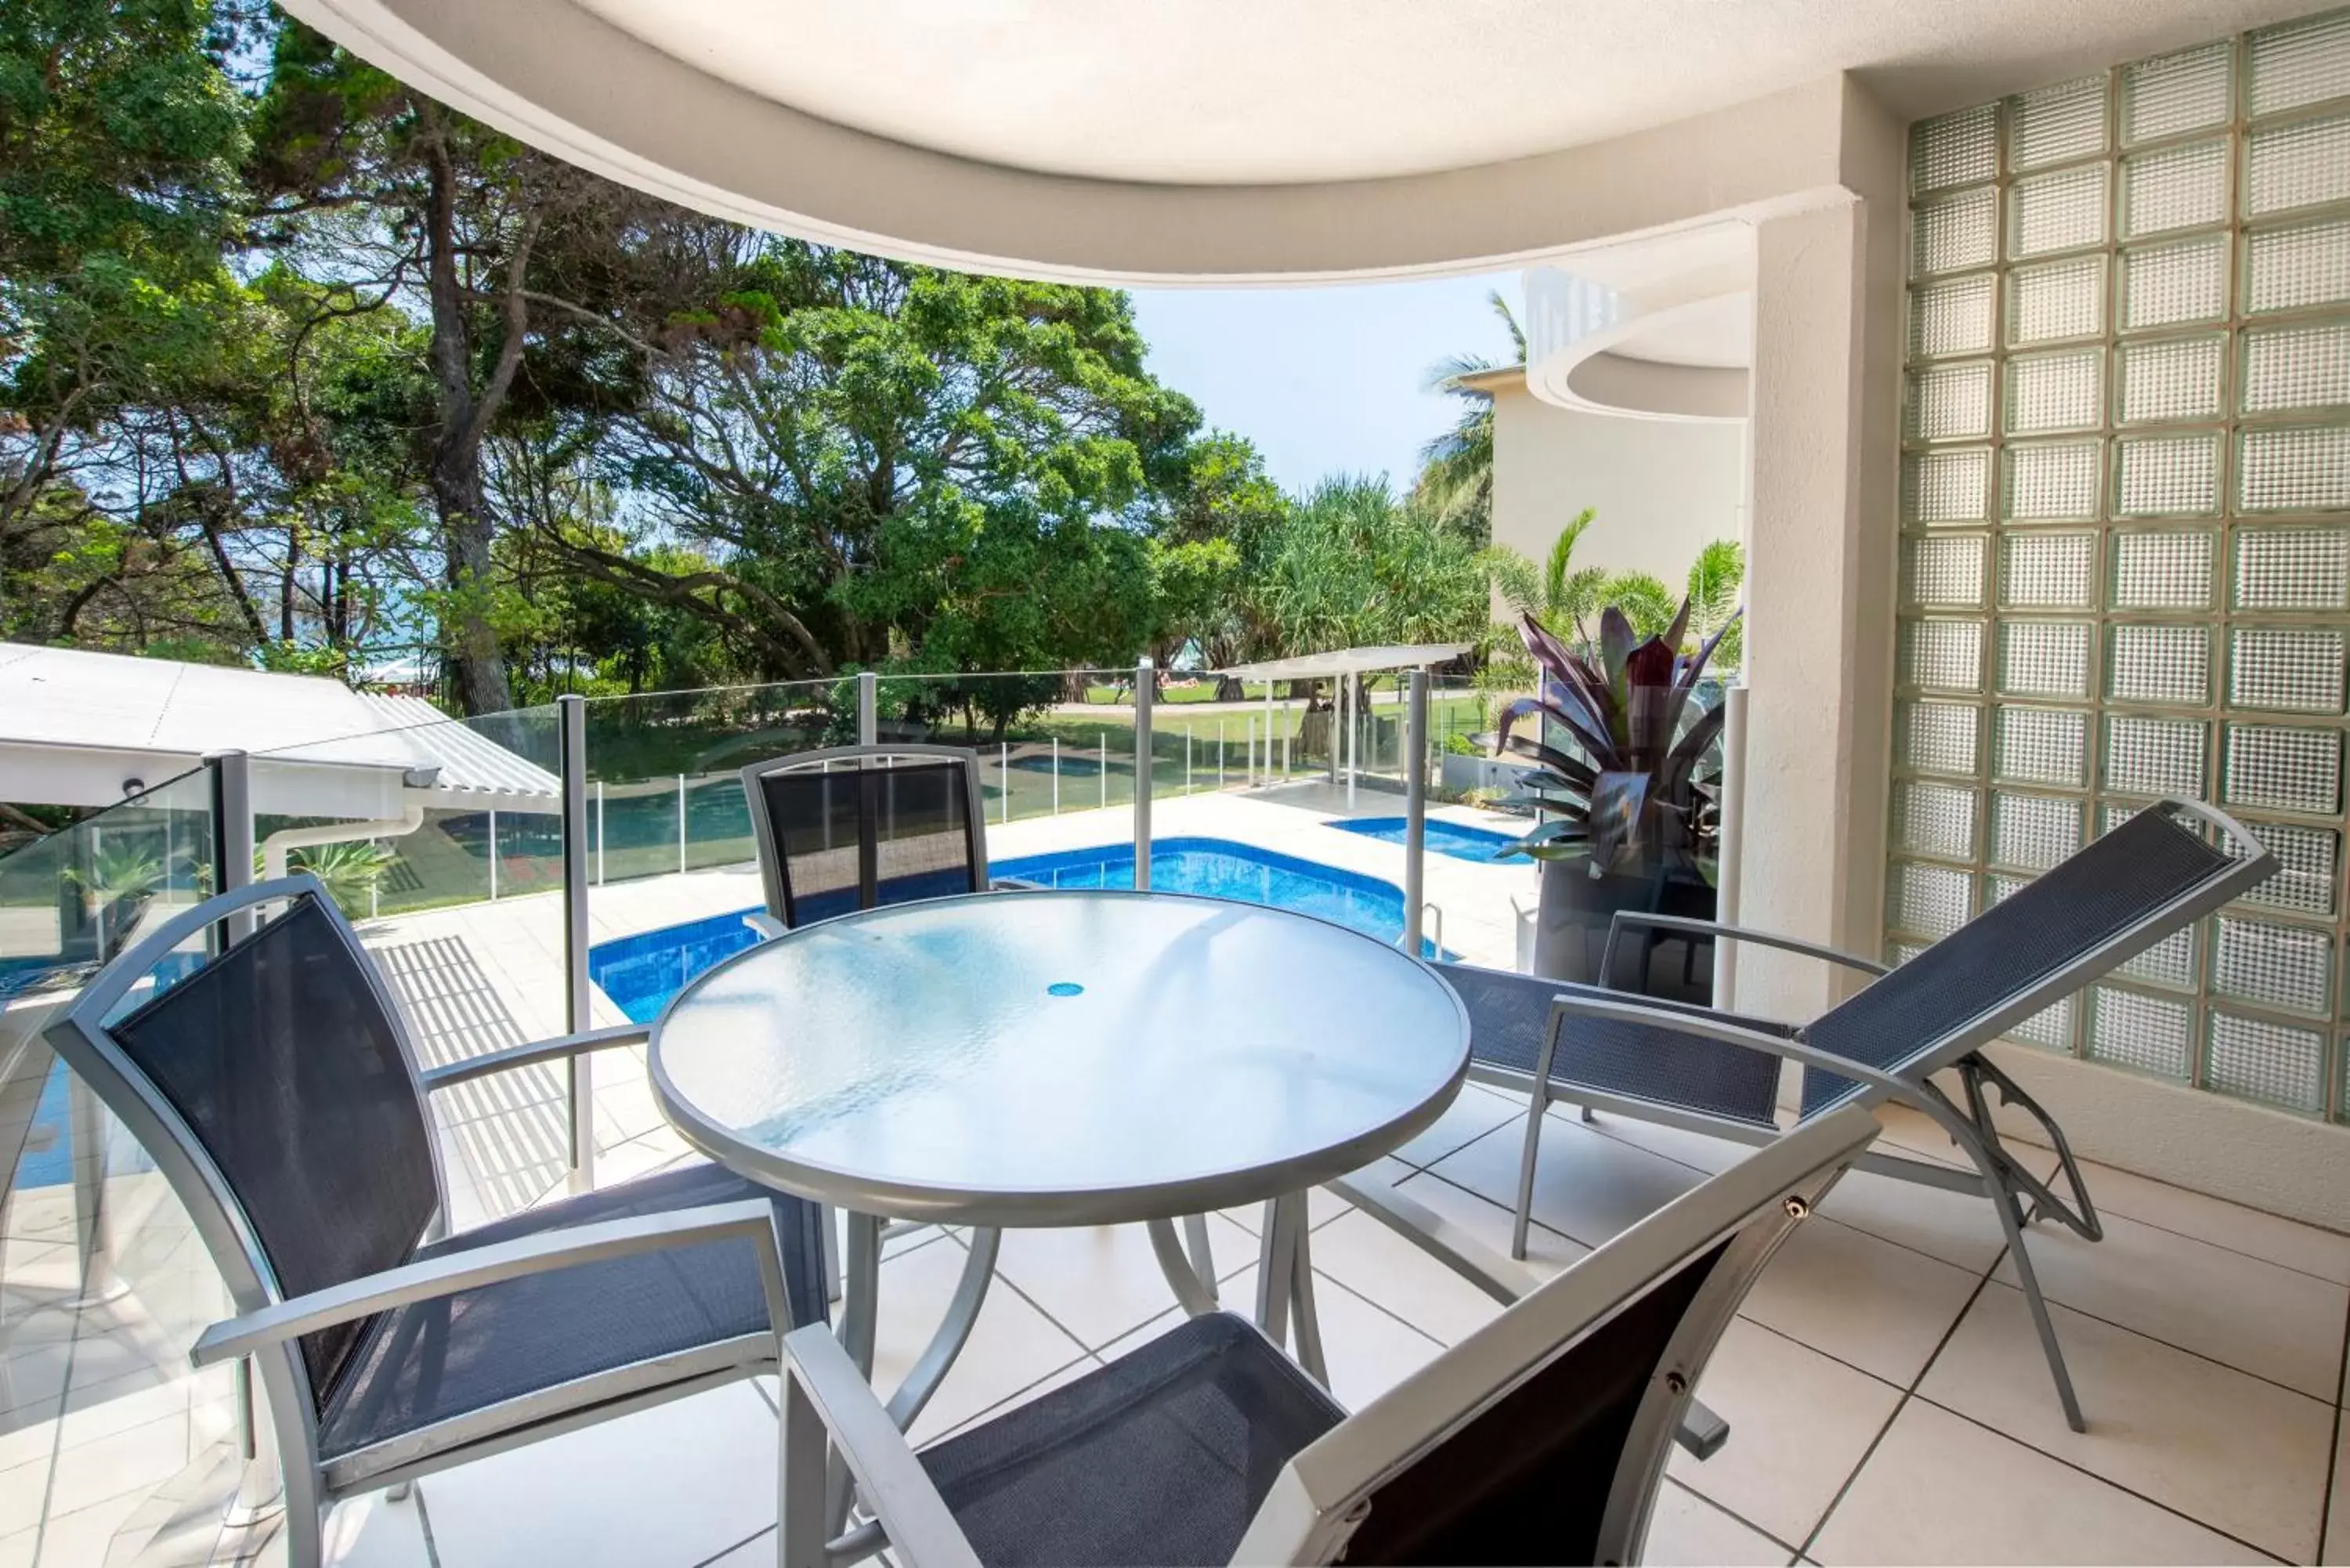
(1887, 1400)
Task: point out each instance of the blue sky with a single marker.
(1324, 381)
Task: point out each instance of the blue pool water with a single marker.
(1453, 839)
(641, 972)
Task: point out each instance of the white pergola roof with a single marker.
(1340, 661)
(77, 726)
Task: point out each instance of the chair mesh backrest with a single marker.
(857, 838)
(2000, 956)
(1528, 1479)
(280, 1059)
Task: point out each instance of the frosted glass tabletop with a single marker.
(1059, 1058)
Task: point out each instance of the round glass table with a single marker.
(1051, 1058)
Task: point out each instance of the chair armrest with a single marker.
(561, 1048)
(1498, 1277)
(751, 1219)
(825, 1395)
(1623, 917)
(1716, 1026)
(765, 924)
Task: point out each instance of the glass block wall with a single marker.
(2126, 529)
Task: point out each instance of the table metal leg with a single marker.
(1301, 1287)
(1276, 1265)
(1194, 1293)
(1203, 1254)
(860, 1304)
(954, 1330)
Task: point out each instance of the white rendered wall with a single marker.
(1664, 488)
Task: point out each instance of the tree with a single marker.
(1714, 580)
(1352, 565)
(881, 462)
(1456, 475)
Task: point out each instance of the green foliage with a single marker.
(349, 870)
(1715, 578)
(1352, 565)
(1643, 599)
(1456, 477)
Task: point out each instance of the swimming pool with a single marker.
(641, 972)
(1457, 839)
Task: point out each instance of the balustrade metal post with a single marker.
(493, 855)
(1415, 809)
(1101, 767)
(1248, 756)
(680, 824)
(1003, 773)
(580, 1172)
(1056, 775)
(1145, 694)
(600, 833)
(231, 804)
(1186, 759)
(868, 707)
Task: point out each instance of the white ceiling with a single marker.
(1243, 92)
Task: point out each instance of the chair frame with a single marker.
(762, 827)
(1997, 1174)
(269, 1324)
(1322, 1494)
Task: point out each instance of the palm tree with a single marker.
(1456, 474)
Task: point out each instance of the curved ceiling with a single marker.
(1233, 137)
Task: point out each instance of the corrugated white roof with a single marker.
(1350, 661)
(112, 703)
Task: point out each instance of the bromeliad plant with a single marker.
(1622, 705)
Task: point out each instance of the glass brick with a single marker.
(2288, 968)
(1954, 234)
(2291, 770)
(2056, 300)
(1940, 737)
(1942, 653)
(1961, 148)
(2300, 63)
(1953, 315)
(2155, 756)
(1928, 900)
(2065, 211)
(2057, 124)
(2172, 284)
(2172, 95)
(2308, 864)
(2033, 832)
(2043, 658)
(2165, 571)
(2297, 669)
(1951, 486)
(2295, 469)
(2301, 366)
(2292, 569)
(1935, 819)
(2041, 745)
(2162, 664)
(2171, 379)
(2177, 188)
(2273, 1064)
(1944, 569)
(2303, 164)
(2295, 267)
(2166, 476)
(2051, 482)
(1950, 402)
(2169, 964)
(2147, 1033)
(2048, 571)
(2059, 391)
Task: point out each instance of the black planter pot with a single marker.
(1577, 908)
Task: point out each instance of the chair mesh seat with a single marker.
(427, 1363)
(1509, 1014)
(1162, 1457)
(2116, 883)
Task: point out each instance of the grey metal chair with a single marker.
(854, 828)
(1718, 1073)
(1542, 1437)
(277, 1090)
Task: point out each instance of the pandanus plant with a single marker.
(1622, 705)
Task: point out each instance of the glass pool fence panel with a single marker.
(85, 1219)
(1211, 734)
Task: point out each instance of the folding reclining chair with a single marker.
(1540, 1438)
(277, 1090)
(1717, 1073)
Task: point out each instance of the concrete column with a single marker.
(1820, 590)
